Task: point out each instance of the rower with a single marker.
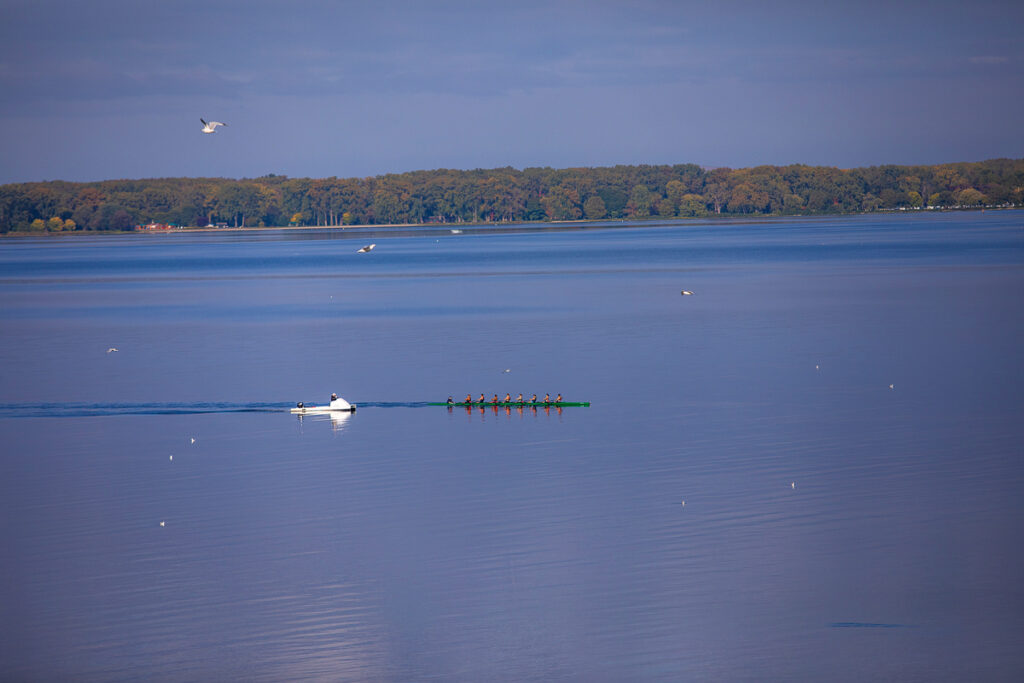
(533, 399)
(450, 401)
(547, 398)
(469, 399)
(508, 398)
(519, 399)
(495, 400)
(558, 399)
(482, 399)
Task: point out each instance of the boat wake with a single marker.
(111, 409)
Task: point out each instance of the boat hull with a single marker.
(321, 410)
(516, 404)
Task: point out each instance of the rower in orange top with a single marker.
(495, 400)
(469, 398)
(508, 398)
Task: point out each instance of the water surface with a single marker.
(838, 406)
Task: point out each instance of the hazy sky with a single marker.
(101, 89)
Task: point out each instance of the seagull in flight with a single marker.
(211, 126)
(367, 248)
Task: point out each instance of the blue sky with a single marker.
(115, 89)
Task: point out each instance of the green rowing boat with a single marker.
(516, 404)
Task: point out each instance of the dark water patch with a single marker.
(862, 624)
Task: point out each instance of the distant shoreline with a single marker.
(606, 222)
(507, 196)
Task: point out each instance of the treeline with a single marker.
(505, 195)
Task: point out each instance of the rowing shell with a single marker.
(516, 404)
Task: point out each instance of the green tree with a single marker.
(745, 199)
(615, 200)
(237, 201)
(641, 201)
(914, 197)
(594, 207)
(692, 205)
(674, 193)
(121, 220)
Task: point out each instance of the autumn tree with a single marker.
(970, 197)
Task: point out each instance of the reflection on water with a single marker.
(834, 528)
(336, 418)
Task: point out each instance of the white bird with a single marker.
(687, 292)
(193, 439)
(368, 247)
(111, 349)
(792, 484)
(456, 232)
(172, 457)
(161, 523)
(211, 126)
(506, 370)
(890, 386)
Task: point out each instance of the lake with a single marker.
(810, 469)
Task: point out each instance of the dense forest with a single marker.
(505, 195)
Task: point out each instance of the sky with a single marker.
(105, 89)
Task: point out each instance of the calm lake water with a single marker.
(839, 405)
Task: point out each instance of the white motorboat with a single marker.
(337, 405)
